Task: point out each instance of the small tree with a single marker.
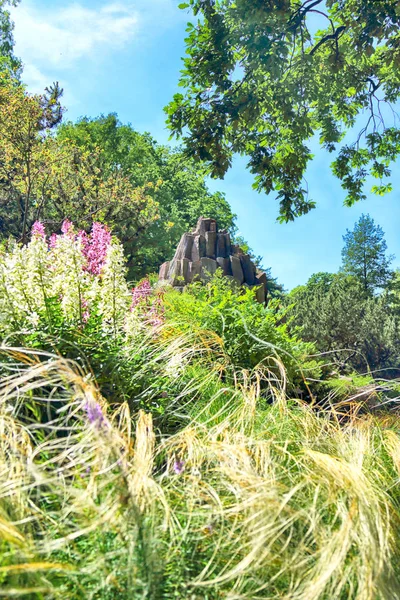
(364, 254)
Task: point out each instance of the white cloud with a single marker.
(63, 41)
(61, 37)
(36, 79)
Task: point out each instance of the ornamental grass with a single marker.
(246, 500)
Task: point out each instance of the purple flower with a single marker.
(38, 230)
(95, 415)
(141, 296)
(94, 245)
(179, 466)
(85, 312)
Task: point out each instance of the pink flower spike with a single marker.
(53, 240)
(95, 246)
(38, 230)
(86, 312)
(66, 227)
(141, 292)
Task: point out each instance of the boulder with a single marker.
(164, 270)
(201, 252)
(223, 245)
(260, 293)
(204, 225)
(262, 278)
(186, 270)
(195, 272)
(175, 272)
(208, 268)
(184, 249)
(225, 265)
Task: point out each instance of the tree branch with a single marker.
(326, 38)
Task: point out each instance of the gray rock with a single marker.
(164, 269)
(186, 270)
(175, 272)
(225, 265)
(249, 270)
(221, 246)
(204, 225)
(211, 241)
(262, 278)
(199, 247)
(195, 270)
(228, 245)
(208, 268)
(260, 293)
(195, 256)
(184, 249)
(237, 270)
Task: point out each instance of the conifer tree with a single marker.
(364, 255)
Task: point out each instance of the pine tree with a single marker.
(364, 255)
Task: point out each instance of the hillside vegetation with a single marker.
(152, 444)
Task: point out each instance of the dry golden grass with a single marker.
(249, 500)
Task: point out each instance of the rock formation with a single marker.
(201, 253)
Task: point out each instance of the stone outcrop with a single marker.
(200, 253)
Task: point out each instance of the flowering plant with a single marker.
(143, 301)
(81, 273)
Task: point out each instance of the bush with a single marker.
(250, 335)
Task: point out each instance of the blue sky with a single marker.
(124, 57)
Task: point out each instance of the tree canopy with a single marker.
(7, 56)
(262, 77)
(364, 254)
(50, 179)
(176, 184)
(352, 329)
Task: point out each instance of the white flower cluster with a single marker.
(40, 281)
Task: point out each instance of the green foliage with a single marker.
(251, 336)
(259, 79)
(364, 255)
(7, 58)
(45, 178)
(356, 330)
(223, 486)
(176, 184)
(56, 297)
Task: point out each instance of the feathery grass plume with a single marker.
(302, 508)
(86, 498)
(249, 500)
